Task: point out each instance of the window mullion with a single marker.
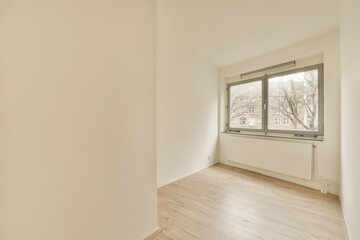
(265, 103)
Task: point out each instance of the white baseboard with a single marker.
(186, 175)
(344, 221)
(153, 234)
(332, 188)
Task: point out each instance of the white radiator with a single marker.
(289, 158)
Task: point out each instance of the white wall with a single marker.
(77, 125)
(186, 102)
(350, 116)
(328, 150)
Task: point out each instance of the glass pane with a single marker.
(293, 102)
(246, 105)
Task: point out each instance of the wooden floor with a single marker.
(223, 202)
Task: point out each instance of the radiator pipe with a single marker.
(316, 177)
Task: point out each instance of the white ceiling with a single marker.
(227, 31)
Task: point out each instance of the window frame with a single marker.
(278, 121)
(247, 129)
(286, 121)
(265, 108)
(320, 132)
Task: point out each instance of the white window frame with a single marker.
(286, 121)
(277, 121)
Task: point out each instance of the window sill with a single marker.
(262, 135)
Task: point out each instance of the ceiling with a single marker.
(228, 31)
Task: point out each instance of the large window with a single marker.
(289, 102)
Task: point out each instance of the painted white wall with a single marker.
(329, 150)
(350, 116)
(228, 31)
(78, 116)
(186, 102)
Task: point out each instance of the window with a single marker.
(240, 108)
(251, 110)
(277, 122)
(286, 121)
(292, 99)
(242, 121)
(251, 122)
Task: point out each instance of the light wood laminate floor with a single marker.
(223, 202)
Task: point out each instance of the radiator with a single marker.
(288, 158)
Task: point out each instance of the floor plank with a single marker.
(224, 202)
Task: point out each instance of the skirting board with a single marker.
(344, 221)
(152, 235)
(333, 188)
(186, 175)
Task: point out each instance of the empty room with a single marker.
(179, 120)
